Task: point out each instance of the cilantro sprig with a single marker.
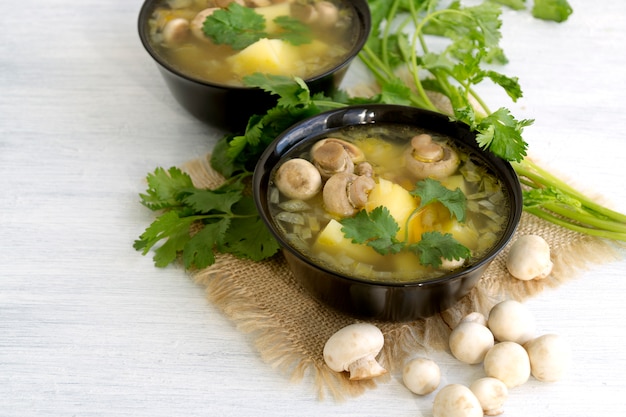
(378, 229)
(198, 222)
(240, 27)
(473, 36)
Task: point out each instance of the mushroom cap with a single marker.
(335, 194)
(352, 343)
(508, 362)
(511, 321)
(297, 178)
(470, 341)
(550, 357)
(331, 157)
(456, 400)
(355, 153)
(529, 258)
(426, 158)
(197, 23)
(476, 317)
(175, 31)
(491, 393)
(327, 13)
(359, 189)
(421, 376)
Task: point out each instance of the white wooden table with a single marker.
(89, 327)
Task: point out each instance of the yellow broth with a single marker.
(305, 224)
(198, 57)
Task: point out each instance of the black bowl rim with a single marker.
(360, 6)
(368, 114)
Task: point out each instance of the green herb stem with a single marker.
(540, 178)
(577, 228)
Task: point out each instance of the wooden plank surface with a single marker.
(88, 327)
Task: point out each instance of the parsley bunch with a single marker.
(196, 222)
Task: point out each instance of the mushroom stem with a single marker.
(365, 368)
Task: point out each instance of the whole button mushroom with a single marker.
(298, 179)
(456, 400)
(529, 258)
(345, 193)
(491, 393)
(426, 158)
(354, 348)
(175, 31)
(332, 156)
(197, 23)
(327, 13)
(421, 376)
(470, 341)
(511, 321)
(550, 356)
(508, 362)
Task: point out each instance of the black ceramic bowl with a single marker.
(361, 297)
(230, 107)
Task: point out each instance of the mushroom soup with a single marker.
(363, 167)
(222, 41)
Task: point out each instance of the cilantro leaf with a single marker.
(501, 133)
(248, 237)
(434, 246)
(210, 201)
(556, 10)
(293, 30)
(240, 26)
(237, 26)
(292, 91)
(195, 223)
(165, 188)
(430, 190)
(198, 251)
(376, 229)
(172, 228)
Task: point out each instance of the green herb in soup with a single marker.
(223, 41)
(388, 203)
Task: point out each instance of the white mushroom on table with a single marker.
(421, 375)
(529, 258)
(354, 349)
(491, 393)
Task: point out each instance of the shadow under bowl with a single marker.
(365, 298)
(230, 107)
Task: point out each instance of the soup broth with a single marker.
(309, 226)
(176, 34)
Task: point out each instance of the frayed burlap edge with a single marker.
(289, 328)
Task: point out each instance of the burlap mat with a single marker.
(289, 328)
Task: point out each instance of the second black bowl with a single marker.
(228, 106)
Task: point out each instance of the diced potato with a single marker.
(272, 12)
(453, 182)
(272, 56)
(332, 240)
(396, 199)
(464, 233)
(315, 48)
